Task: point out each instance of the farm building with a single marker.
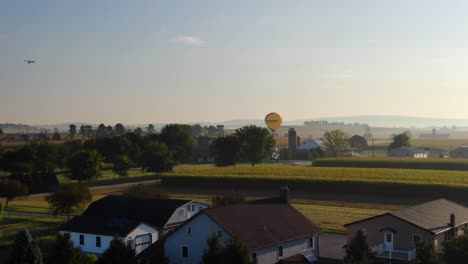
(274, 232)
(308, 144)
(394, 235)
(409, 152)
(434, 135)
(139, 222)
(461, 152)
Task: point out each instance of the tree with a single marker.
(56, 136)
(227, 199)
(179, 139)
(213, 254)
(358, 250)
(9, 189)
(425, 254)
(225, 150)
(236, 252)
(156, 158)
(138, 131)
(25, 250)
(88, 131)
(400, 140)
(357, 142)
(336, 143)
(455, 250)
(101, 131)
(72, 131)
(150, 129)
(62, 251)
(69, 197)
(83, 131)
(256, 143)
(84, 165)
(119, 129)
(118, 253)
(1, 132)
(121, 165)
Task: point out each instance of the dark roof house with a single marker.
(397, 232)
(272, 229)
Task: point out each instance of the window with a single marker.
(416, 238)
(98, 241)
(311, 242)
(200, 208)
(185, 252)
(388, 237)
(193, 207)
(81, 239)
(280, 251)
(189, 231)
(220, 234)
(254, 258)
(181, 212)
(188, 208)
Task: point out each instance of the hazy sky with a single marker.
(184, 61)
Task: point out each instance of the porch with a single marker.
(389, 253)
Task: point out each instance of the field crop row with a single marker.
(400, 163)
(301, 175)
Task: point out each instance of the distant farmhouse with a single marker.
(434, 135)
(394, 235)
(138, 222)
(409, 152)
(308, 144)
(272, 229)
(461, 152)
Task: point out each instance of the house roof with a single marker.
(260, 226)
(433, 216)
(118, 213)
(102, 226)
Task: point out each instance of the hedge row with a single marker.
(395, 163)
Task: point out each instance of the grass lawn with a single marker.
(110, 178)
(300, 174)
(40, 227)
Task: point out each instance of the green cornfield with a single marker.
(400, 163)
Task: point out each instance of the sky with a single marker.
(140, 62)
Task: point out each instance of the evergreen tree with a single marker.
(25, 250)
(214, 252)
(425, 254)
(358, 251)
(118, 253)
(456, 250)
(72, 131)
(62, 251)
(236, 252)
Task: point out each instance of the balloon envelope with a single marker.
(273, 121)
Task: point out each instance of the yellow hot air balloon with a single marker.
(273, 121)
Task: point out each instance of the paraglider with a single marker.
(273, 121)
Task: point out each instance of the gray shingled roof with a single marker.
(433, 216)
(263, 225)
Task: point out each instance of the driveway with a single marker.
(331, 246)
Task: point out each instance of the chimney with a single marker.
(284, 195)
(452, 220)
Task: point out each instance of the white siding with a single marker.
(90, 239)
(90, 242)
(290, 248)
(183, 213)
(202, 229)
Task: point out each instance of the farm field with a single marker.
(109, 178)
(264, 173)
(402, 163)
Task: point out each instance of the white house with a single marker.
(308, 144)
(274, 233)
(139, 222)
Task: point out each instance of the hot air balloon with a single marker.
(273, 121)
